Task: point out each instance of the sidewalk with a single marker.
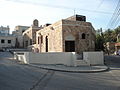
(80, 69)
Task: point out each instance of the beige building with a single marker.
(73, 34)
(7, 41)
(110, 47)
(29, 35)
(18, 31)
(118, 37)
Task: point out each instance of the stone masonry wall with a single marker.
(58, 32)
(54, 34)
(77, 28)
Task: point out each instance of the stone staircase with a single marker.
(80, 61)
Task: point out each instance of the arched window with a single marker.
(41, 38)
(83, 36)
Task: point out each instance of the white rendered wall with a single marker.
(23, 58)
(66, 58)
(52, 58)
(94, 58)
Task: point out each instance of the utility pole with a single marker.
(74, 11)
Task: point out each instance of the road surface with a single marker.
(17, 76)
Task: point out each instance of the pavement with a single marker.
(78, 69)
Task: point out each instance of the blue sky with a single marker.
(23, 12)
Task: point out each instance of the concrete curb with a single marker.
(74, 71)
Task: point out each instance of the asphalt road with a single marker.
(17, 76)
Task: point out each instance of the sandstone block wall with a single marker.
(54, 34)
(58, 32)
(77, 28)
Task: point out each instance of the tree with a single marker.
(108, 36)
(99, 40)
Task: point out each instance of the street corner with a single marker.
(78, 69)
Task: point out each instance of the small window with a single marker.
(26, 43)
(41, 39)
(23, 30)
(30, 41)
(38, 40)
(9, 41)
(2, 41)
(83, 36)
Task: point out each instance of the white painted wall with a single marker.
(52, 58)
(47, 58)
(23, 58)
(66, 58)
(94, 58)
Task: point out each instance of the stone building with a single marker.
(29, 35)
(18, 31)
(4, 30)
(73, 34)
(110, 47)
(7, 41)
(117, 46)
(118, 37)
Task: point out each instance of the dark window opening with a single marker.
(9, 41)
(23, 30)
(26, 43)
(30, 41)
(38, 40)
(2, 41)
(46, 44)
(41, 39)
(83, 36)
(69, 46)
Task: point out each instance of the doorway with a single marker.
(46, 43)
(69, 46)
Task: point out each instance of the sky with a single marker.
(23, 12)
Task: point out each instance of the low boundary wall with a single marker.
(66, 58)
(94, 58)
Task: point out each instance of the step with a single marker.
(81, 63)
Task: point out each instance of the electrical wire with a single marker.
(60, 6)
(114, 19)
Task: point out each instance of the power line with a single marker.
(114, 19)
(115, 14)
(59, 6)
(117, 19)
(100, 4)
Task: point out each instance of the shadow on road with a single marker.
(113, 62)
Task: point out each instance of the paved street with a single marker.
(16, 76)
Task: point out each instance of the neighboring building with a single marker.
(73, 34)
(18, 34)
(7, 41)
(118, 37)
(29, 35)
(110, 47)
(4, 30)
(117, 46)
(20, 29)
